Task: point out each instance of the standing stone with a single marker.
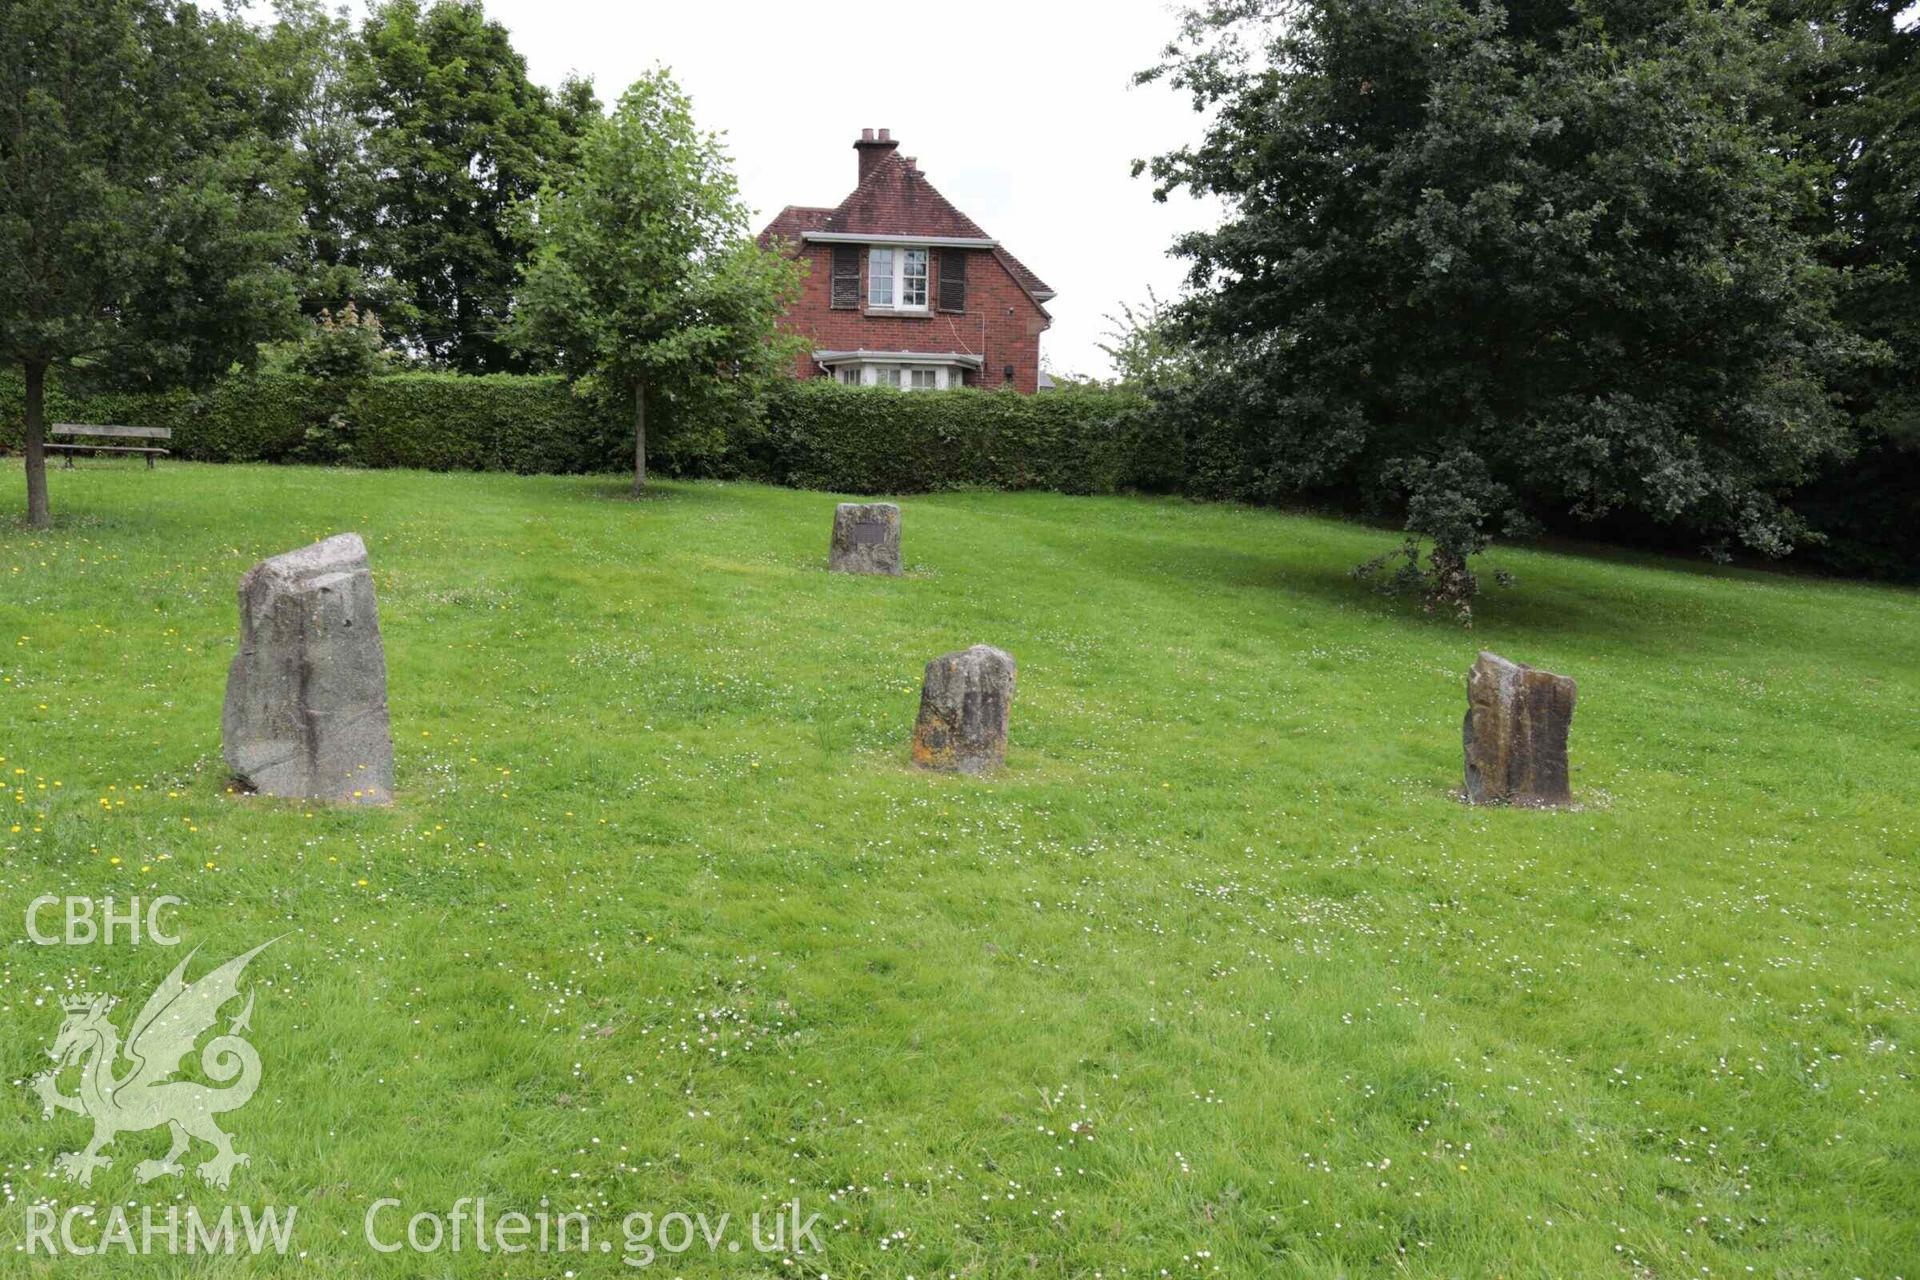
(306, 711)
(866, 538)
(964, 707)
(1516, 734)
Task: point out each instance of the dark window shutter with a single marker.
(953, 279)
(846, 276)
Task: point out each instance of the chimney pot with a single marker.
(873, 149)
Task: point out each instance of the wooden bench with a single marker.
(108, 433)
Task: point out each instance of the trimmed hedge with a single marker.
(497, 422)
(435, 421)
(822, 435)
(242, 420)
(814, 435)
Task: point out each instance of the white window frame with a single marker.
(887, 268)
(899, 375)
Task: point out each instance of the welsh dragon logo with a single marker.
(143, 1095)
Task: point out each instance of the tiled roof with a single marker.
(791, 221)
(895, 199)
(1024, 274)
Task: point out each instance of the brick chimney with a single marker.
(872, 150)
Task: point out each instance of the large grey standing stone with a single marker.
(964, 708)
(866, 538)
(306, 710)
(1516, 733)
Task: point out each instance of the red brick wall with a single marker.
(999, 313)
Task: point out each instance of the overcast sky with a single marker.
(1022, 114)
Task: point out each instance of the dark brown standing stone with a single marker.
(964, 708)
(1516, 734)
(866, 538)
(306, 710)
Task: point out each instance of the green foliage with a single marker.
(140, 226)
(647, 279)
(340, 356)
(1555, 250)
(1871, 122)
(1867, 115)
(443, 422)
(1145, 346)
(434, 421)
(459, 138)
(317, 401)
(142, 218)
(309, 49)
(348, 350)
(1453, 501)
(823, 435)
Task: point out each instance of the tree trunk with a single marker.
(639, 435)
(39, 515)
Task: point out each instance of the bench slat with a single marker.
(90, 429)
(105, 448)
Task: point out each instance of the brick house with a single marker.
(904, 290)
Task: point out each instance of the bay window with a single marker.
(901, 375)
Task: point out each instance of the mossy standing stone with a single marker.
(965, 705)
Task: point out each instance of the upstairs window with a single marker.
(913, 279)
(897, 279)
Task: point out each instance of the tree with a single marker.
(1865, 115)
(308, 51)
(457, 137)
(646, 277)
(141, 221)
(1144, 346)
(1867, 119)
(1494, 265)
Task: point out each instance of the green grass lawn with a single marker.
(1216, 978)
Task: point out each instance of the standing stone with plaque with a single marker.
(866, 538)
